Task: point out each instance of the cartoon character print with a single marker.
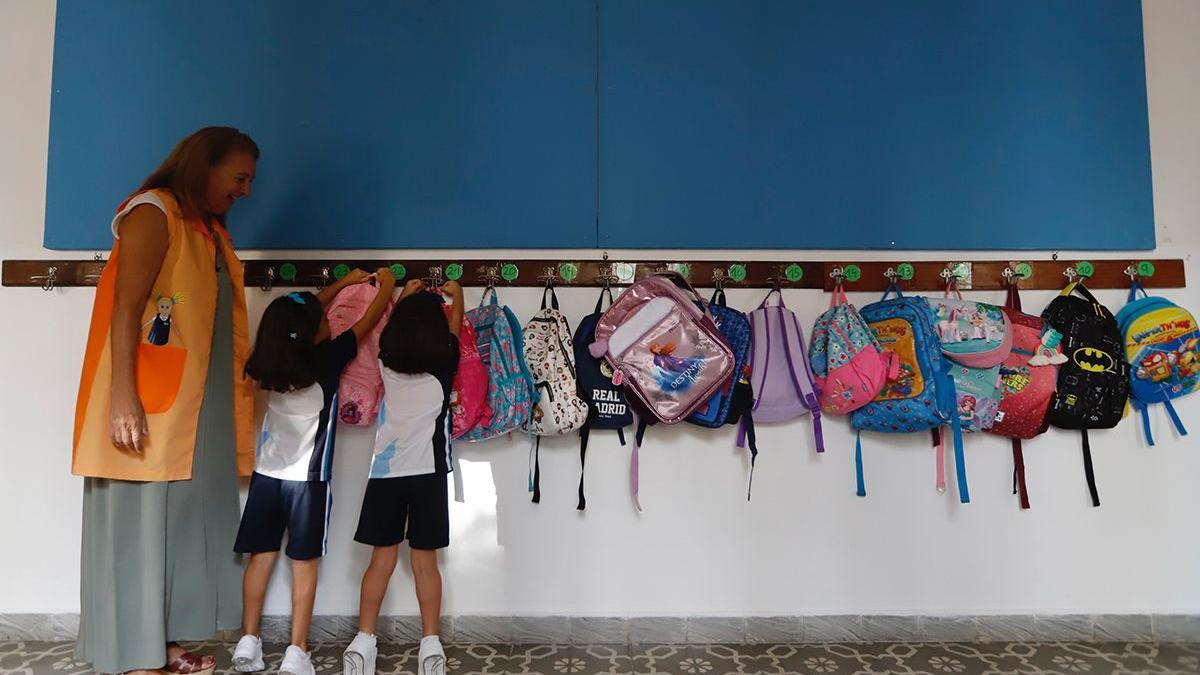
(161, 325)
(966, 407)
(674, 373)
(1015, 379)
(1156, 366)
(903, 386)
(1187, 359)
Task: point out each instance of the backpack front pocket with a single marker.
(159, 375)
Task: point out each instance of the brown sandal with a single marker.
(188, 663)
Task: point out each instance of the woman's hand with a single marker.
(127, 424)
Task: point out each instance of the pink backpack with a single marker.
(361, 388)
(469, 393)
(849, 365)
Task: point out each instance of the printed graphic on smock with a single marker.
(160, 325)
(896, 335)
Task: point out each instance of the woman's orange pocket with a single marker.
(159, 374)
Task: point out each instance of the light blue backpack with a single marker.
(511, 392)
(922, 397)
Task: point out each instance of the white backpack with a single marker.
(551, 360)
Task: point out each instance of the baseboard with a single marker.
(704, 630)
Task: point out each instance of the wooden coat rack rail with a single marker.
(912, 274)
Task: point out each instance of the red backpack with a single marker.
(1029, 377)
(469, 392)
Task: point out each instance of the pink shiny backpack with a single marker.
(361, 389)
(469, 391)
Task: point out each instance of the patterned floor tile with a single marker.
(949, 658)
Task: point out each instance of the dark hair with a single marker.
(185, 171)
(417, 337)
(285, 355)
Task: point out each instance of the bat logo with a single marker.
(1093, 360)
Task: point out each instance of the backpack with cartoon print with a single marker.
(469, 391)
(1028, 377)
(551, 361)
(1093, 384)
(1162, 344)
(922, 396)
(511, 393)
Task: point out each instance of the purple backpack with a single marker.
(665, 350)
(779, 371)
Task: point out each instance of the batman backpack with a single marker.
(607, 407)
(1093, 385)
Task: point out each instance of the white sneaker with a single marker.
(247, 656)
(359, 657)
(431, 658)
(296, 661)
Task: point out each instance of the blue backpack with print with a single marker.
(922, 396)
(511, 391)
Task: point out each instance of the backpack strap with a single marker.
(639, 433)
(718, 298)
(939, 451)
(1019, 473)
(1013, 298)
(747, 423)
(553, 297)
(858, 465)
(893, 287)
(536, 482)
(1145, 413)
(803, 385)
(600, 300)
(483, 299)
(1133, 291)
(1088, 471)
(960, 467)
(584, 432)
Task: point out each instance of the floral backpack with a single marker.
(469, 391)
(511, 393)
(848, 364)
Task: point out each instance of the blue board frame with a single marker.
(382, 124)
(803, 124)
(906, 124)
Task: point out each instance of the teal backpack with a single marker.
(511, 392)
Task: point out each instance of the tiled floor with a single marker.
(926, 658)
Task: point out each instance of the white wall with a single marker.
(805, 544)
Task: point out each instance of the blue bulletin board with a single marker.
(914, 124)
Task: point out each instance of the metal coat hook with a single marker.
(1010, 276)
(550, 276)
(838, 274)
(268, 280)
(1070, 273)
(489, 275)
(891, 275)
(434, 280)
(49, 279)
(323, 279)
(718, 278)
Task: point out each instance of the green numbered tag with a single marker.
(1145, 268)
(853, 272)
(794, 273)
(683, 269)
(287, 272)
(737, 272)
(340, 271)
(1085, 268)
(1023, 270)
(398, 271)
(624, 272)
(454, 271)
(905, 271)
(509, 272)
(568, 272)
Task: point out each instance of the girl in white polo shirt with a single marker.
(406, 497)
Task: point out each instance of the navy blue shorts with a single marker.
(273, 505)
(416, 508)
